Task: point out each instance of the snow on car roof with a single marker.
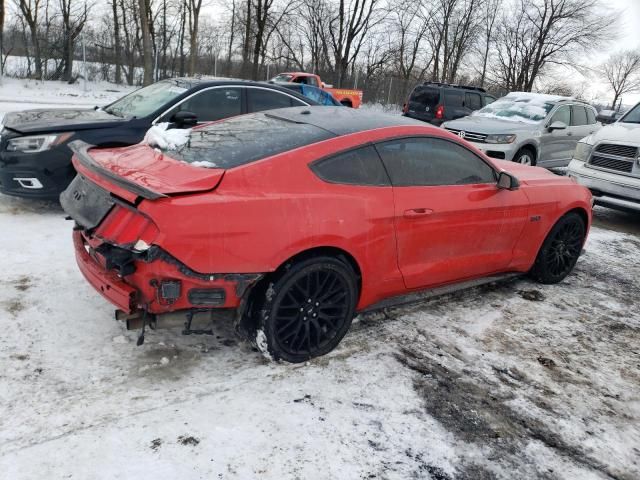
(524, 107)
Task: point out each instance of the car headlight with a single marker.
(508, 138)
(37, 143)
(583, 151)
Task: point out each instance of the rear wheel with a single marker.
(525, 156)
(560, 250)
(306, 310)
(346, 103)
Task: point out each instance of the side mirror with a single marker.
(185, 119)
(506, 181)
(557, 125)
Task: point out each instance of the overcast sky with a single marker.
(628, 38)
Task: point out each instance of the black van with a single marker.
(438, 102)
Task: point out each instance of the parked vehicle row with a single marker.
(347, 97)
(295, 219)
(35, 160)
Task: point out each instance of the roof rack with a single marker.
(455, 85)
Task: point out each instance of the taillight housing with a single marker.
(127, 227)
(405, 108)
(440, 112)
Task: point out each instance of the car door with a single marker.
(452, 222)
(454, 106)
(555, 145)
(259, 99)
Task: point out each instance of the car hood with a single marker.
(532, 175)
(62, 120)
(489, 125)
(618, 132)
(141, 171)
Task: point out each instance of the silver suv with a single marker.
(528, 128)
(608, 163)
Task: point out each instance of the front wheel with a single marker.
(525, 156)
(307, 310)
(560, 250)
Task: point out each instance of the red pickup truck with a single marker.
(349, 98)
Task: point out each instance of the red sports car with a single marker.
(297, 219)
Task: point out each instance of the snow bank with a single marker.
(162, 137)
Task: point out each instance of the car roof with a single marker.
(341, 120)
(205, 81)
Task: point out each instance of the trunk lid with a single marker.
(141, 171)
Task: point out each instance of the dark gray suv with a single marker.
(438, 102)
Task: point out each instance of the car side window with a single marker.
(453, 98)
(361, 166)
(473, 101)
(312, 81)
(214, 104)
(591, 116)
(563, 114)
(487, 99)
(578, 115)
(259, 99)
(431, 162)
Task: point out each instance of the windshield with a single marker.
(524, 109)
(146, 100)
(632, 116)
(282, 78)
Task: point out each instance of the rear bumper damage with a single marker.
(155, 282)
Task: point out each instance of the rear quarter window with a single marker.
(453, 98)
(361, 166)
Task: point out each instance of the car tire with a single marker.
(560, 250)
(525, 156)
(306, 309)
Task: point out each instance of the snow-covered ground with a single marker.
(18, 94)
(512, 381)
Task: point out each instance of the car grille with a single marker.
(470, 136)
(618, 158)
(617, 150)
(612, 163)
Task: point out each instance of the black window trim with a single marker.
(342, 152)
(493, 168)
(240, 86)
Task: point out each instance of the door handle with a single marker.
(417, 212)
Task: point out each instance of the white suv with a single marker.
(608, 163)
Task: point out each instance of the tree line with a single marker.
(381, 46)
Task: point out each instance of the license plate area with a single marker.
(86, 202)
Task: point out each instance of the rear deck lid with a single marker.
(141, 171)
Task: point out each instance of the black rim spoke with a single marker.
(565, 248)
(311, 312)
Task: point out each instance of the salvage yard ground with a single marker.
(511, 381)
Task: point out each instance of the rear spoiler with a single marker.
(80, 149)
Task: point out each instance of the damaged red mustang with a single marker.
(296, 219)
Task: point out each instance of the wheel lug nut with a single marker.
(309, 300)
(317, 304)
(301, 309)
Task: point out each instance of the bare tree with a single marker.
(30, 10)
(147, 48)
(2, 13)
(622, 73)
(73, 21)
(539, 33)
(348, 28)
(490, 10)
(194, 19)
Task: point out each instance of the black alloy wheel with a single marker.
(307, 310)
(560, 250)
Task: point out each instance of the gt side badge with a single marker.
(536, 218)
